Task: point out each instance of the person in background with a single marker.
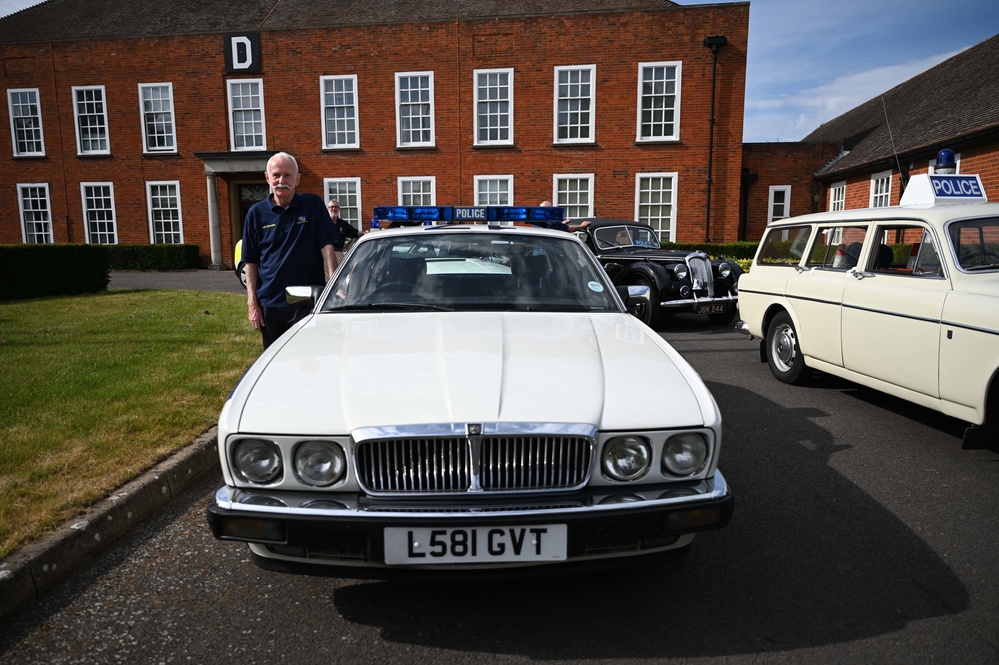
(569, 226)
(344, 228)
(288, 240)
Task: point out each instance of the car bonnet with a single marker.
(340, 371)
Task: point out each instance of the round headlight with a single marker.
(680, 271)
(257, 461)
(626, 458)
(725, 269)
(319, 463)
(684, 453)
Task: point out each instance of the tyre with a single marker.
(653, 316)
(783, 354)
(241, 273)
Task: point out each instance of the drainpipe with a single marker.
(714, 43)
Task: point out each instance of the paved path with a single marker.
(188, 280)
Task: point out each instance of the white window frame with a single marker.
(351, 211)
(232, 124)
(837, 196)
(347, 107)
(427, 179)
(957, 164)
(591, 97)
(86, 218)
(642, 95)
(878, 196)
(399, 115)
(771, 202)
(171, 123)
(656, 223)
(561, 197)
(37, 118)
(151, 210)
(505, 118)
(484, 191)
(46, 235)
(104, 137)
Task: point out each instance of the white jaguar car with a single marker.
(468, 399)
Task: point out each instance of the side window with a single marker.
(897, 247)
(837, 247)
(784, 246)
(926, 261)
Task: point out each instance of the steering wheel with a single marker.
(392, 287)
(981, 256)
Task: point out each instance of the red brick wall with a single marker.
(294, 61)
(775, 164)
(981, 158)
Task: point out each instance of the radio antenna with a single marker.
(902, 177)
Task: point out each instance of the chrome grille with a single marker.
(436, 465)
(420, 465)
(533, 463)
(700, 273)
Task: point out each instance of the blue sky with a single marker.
(811, 60)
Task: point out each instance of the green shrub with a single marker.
(35, 271)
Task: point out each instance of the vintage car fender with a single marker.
(653, 272)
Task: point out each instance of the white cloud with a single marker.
(790, 116)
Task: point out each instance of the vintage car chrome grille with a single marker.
(437, 465)
(700, 273)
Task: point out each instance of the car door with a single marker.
(816, 294)
(892, 309)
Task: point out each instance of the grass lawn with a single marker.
(101, 387)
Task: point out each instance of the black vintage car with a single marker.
(680, 281)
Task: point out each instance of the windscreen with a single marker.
(465, 270)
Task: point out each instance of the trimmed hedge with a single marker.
(728, 250)
(34, 271)
(154, 257)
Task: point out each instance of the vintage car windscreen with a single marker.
(608, 237)
(976, 243)
(464, 270)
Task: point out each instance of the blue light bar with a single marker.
(430, 215)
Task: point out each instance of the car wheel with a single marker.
(241, 273)
(653, 315)
(783, 354)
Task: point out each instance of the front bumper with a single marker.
(327, 534)
(729, 301)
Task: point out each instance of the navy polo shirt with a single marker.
(286, 244)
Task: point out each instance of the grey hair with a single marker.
(282, 155)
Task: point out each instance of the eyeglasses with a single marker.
(334, 207)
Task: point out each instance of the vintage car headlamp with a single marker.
(626, 458)
(319, 463)
(684, 453)
(257, 461)
(680, 271)
(724, 269)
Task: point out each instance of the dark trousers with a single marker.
(277, 320)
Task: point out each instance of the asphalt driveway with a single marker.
(187, 280)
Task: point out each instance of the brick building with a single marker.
(152, 122)
(864, 157)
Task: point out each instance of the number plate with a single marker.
(711, 309)
(497, 544)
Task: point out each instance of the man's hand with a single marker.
(256, 313)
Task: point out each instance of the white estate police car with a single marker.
(902, 299)
(468, 397)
